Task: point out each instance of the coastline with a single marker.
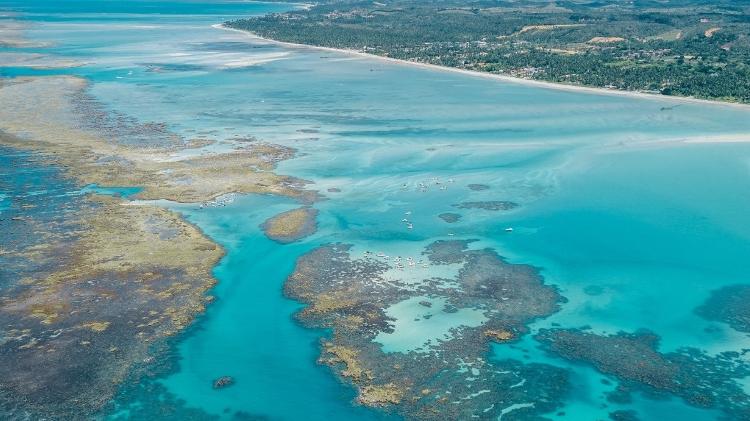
(494, 76)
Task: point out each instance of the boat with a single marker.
(509, 229)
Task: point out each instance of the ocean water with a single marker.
(635, 208)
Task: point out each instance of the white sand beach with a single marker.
(511, 79)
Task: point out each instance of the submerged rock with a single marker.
(450, 217)
(624, 415)
(490, 205)
(478, 187)
(223, 381)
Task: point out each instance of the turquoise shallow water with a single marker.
(635, 225)
(248, 332)
(111, 191)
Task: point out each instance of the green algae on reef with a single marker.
(447, 377)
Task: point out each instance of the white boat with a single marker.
(509, 229)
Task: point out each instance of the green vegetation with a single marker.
(698, 48)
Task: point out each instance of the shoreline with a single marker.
(494, 76)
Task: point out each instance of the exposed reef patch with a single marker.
(730, 305)
(490, 205)
(291, 226)
(447, 376)
(702, 380)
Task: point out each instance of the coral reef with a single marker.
(447, 377)
(702, 380)
(730, 305)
